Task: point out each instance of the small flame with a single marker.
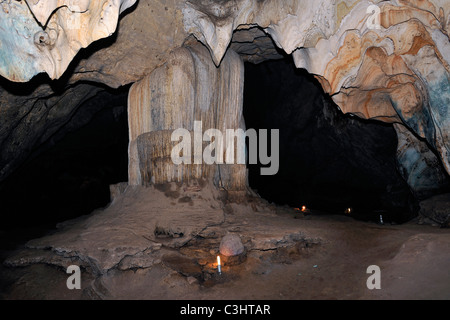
(303, 208)
(219, 267)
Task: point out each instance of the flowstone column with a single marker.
(191, 93)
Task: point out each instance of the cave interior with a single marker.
(92, 158)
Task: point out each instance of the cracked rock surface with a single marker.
(131, 250)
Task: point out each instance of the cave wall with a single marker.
(36, 116)
(383, 60)
(329, 161)
(44, 36)
(419, 165)
(388, 61)
(69, 174)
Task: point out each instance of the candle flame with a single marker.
(303, 208)
(219, 267)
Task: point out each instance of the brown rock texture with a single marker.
(383, 60)
(231, 245)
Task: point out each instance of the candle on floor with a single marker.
(219, 267)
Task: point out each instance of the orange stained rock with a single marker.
(349, 56)
(420, 4)
(391, 15)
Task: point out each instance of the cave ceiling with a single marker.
(382, 60)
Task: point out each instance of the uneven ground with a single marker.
(162, 243)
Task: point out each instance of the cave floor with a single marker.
(162, 243)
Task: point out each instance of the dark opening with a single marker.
(328, 161)
(70, 177)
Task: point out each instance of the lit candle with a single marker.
(219, 267)
(303, 208)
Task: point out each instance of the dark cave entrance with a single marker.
(328, 161)
(69, 175)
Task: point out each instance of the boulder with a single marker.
(436, 210)
(231, 245)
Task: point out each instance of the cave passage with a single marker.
(69, 175)
(328, 161)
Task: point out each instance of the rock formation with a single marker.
(420, 166)
(44, 36)
(436, 210)
(387, 61)
(188, 88)
(383, 60)
(231, 245)
(329, 160)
